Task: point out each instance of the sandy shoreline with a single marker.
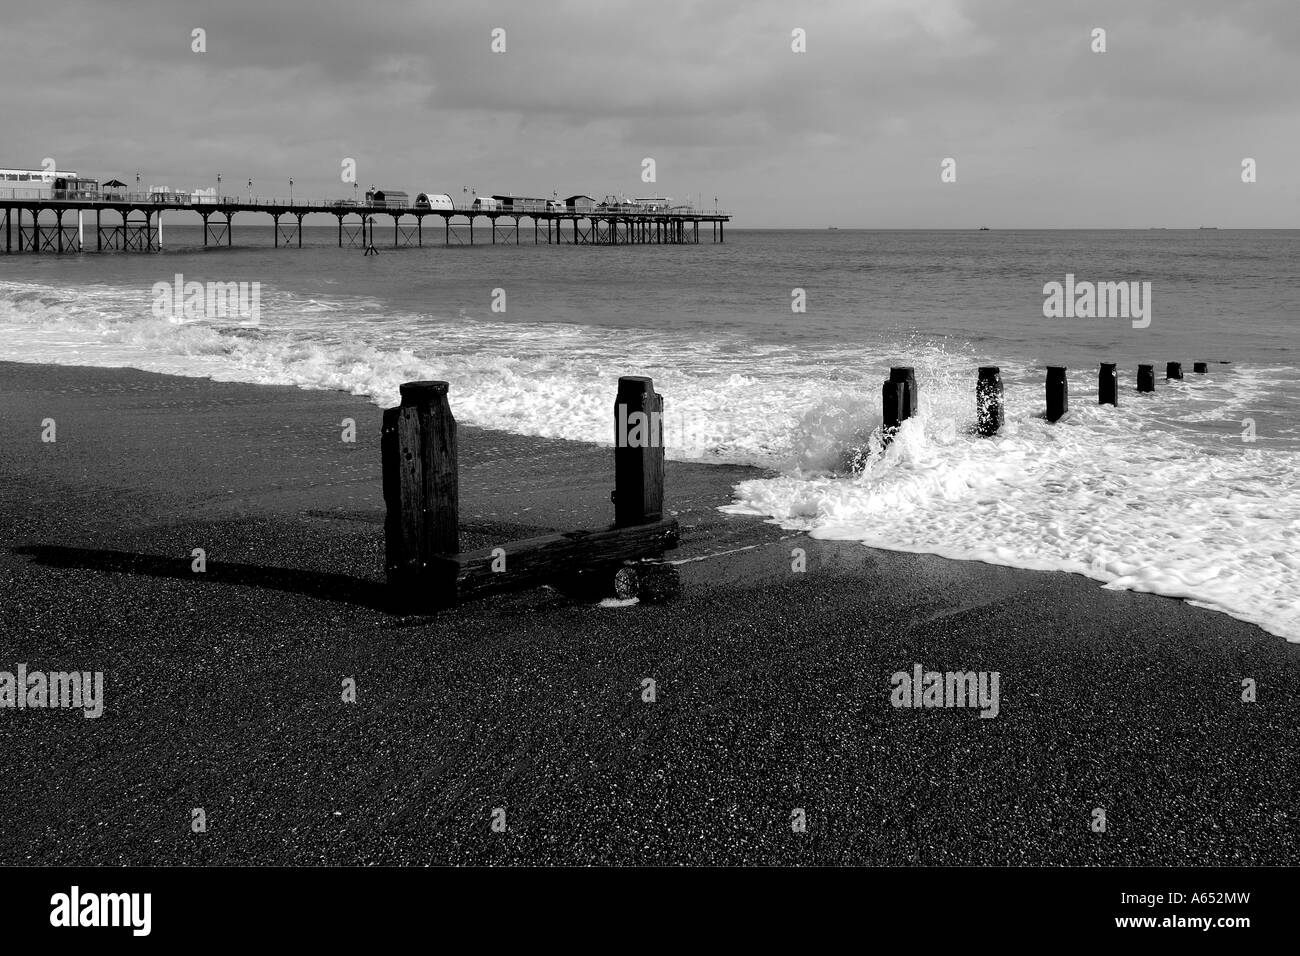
(223, 689)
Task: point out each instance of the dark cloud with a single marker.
(1046, 133)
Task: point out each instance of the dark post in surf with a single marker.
(988, 400)
(1058, 393)
(1108, 385)
(900, 400)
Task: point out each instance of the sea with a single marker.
(770, 349)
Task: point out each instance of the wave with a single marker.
(1162, 494)
(1110, 493)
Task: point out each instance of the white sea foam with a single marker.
(1159, 495)
(549, 380)
(1110, 493)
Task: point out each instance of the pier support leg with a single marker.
(81, 230)
(58, 228)
(300, 215)
(340, 218)
(160, 227)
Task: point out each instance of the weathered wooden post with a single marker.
(900, 399)
(1173, 370)
(425, 566)
(1146, 378)
(1058, 393)
(638, 452)
(1200, 368)
(1108, 385)
(421, 487)
(988, 400)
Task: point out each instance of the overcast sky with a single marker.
(1045, 132)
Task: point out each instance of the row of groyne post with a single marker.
(900, 396)
(427, 570)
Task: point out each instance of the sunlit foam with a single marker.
(1160, 494)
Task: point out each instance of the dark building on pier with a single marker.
(388, 197)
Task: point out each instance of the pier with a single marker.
(135, 223)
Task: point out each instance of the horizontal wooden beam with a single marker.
(530, 562)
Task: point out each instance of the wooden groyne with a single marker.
(900, 400)
(425, 567)
(135, 223)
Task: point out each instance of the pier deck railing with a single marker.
(187, 201)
